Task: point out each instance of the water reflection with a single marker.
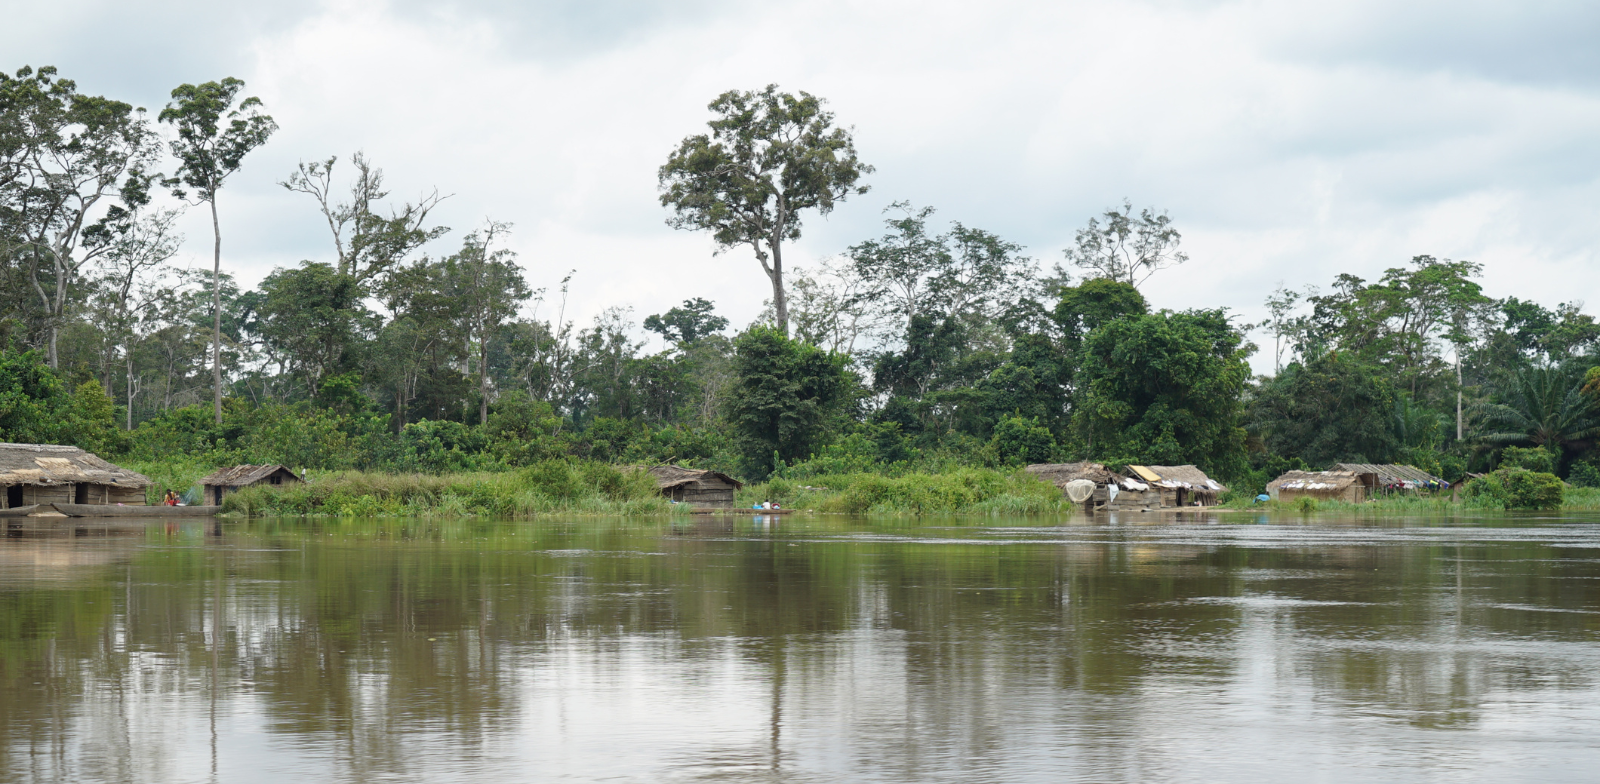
(765, 648)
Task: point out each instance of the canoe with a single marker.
(19, 511)
(108, 510)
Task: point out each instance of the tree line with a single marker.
(934, 343)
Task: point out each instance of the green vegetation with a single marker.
(956, 491)
(1518, 488)
(566, 486)
(936, 349)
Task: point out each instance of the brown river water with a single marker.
(1205, 647)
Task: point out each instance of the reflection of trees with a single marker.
(358, 633)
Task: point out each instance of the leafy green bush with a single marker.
(958, 490)
(1022, 440)
(1536, 459)
(1584, 475)
(1517, 488)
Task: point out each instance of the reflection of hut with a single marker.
(707, 489)
(48, 474)
(1380, 478)
(228, 480)
(1321, 485)
(1105, 490)
(1183, 485)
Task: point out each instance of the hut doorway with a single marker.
(13, 496)
(80, 493)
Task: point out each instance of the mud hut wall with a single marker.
(51, 494)
(128, 496)
(710, 491)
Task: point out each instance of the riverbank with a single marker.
(1574, 499)
(550, 487)
(979, 491)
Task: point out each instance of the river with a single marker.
(1202, 647)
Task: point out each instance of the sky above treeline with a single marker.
(1288, 141)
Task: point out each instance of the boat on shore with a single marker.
(108, 510)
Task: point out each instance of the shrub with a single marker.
(1536, 459)
(1584, 475)
(1022, 440)
(1518, 488)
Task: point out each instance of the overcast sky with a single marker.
(1288, 141)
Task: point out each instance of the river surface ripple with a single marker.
(1205, 647)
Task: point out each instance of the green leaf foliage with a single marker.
(788, 397)
(1166, 388)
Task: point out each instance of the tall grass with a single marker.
(552, 486)
(955, 491)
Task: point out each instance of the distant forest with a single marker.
(934, 344)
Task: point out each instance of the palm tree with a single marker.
(1543, 406)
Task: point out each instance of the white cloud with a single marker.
(1288, 141)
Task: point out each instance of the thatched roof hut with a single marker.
(47, 473)
(1321, 485)
(1183, 485)
(696, 487)
(1380, 476)
(1111, 491)
(226, 480)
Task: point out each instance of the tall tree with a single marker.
(369, 244)
(130, 268)
(1128, 247)
(491, 289)
(72, 174)
(687, 324)
(786, 397)
(214, 135)
(769, 156)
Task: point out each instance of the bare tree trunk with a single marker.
(780, 302)
(483, 378)
(216, 310)
(1459, 428)
(130, 386)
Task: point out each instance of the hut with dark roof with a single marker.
(1321, 485)
(698, 488)
(48, 474)
(1183, 485)
(229, 480)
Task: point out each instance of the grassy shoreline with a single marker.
(594, 488)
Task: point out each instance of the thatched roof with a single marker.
(241, 475)
(669, 476)
(1315, 481)
(1184, 476)
(47, 464)
(1059, 474)
(1387, 473)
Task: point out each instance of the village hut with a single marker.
(1098, 488)
(1183, 485)
(49, 474)
(698, 488)
(1321, 485)
(1388, 478)
(229, 480)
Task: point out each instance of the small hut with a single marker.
(1106, 489)
(1183, 485)
(228, 480)
(1380, 478)
(49, 474)
(1321, 485)
(698, 488)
